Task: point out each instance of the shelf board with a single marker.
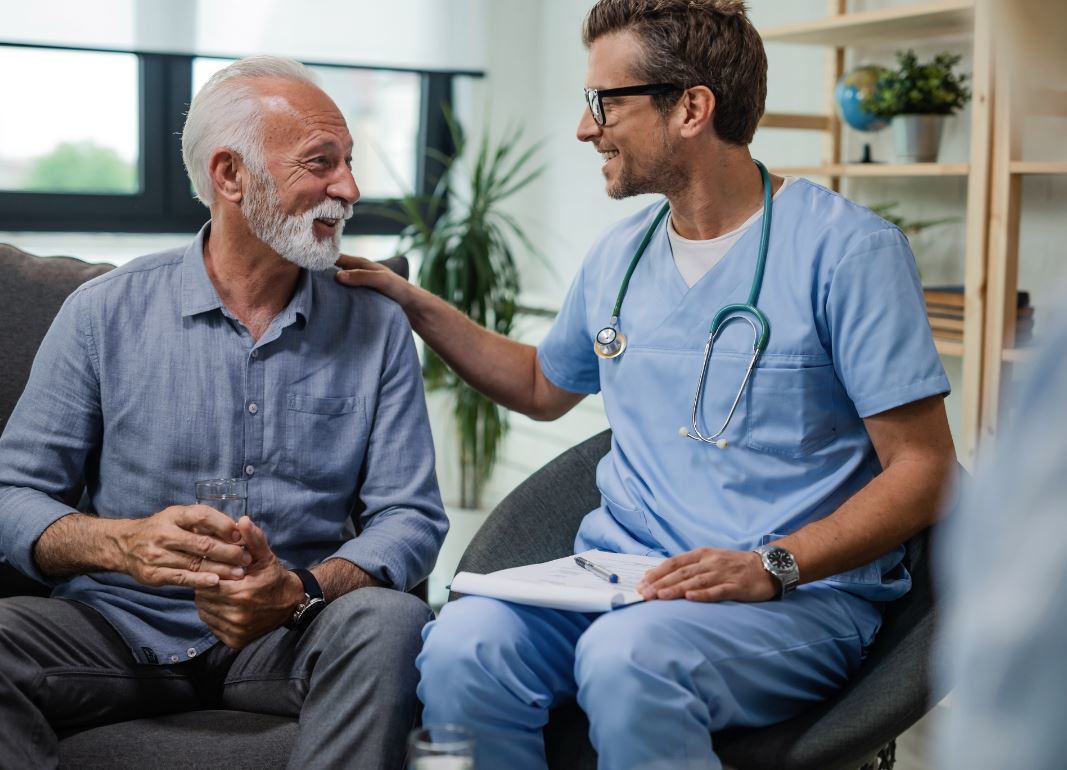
(796, 120)
(1037, 167)
(1014, 355)
(877, 169)
(948, 347)
(882, 26)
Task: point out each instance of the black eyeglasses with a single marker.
(595, 97)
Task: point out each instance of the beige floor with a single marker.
(915, 748)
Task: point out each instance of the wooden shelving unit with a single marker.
(1038, 27)
(1014, 48)
(1025, 167)
(948, 347)
(851, 30)
(1017, 355)
(899, 27)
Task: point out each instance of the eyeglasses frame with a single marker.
(594, 97)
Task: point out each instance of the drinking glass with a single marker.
(227, 495)
(441, 747)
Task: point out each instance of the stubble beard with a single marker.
(660, 173)
(292, 236)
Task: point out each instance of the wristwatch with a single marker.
(781, 564)
(312, 603)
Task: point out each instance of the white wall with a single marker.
(428, 34)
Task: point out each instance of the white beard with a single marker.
(292, 236)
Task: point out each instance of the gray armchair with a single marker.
(854, 729)
(32, 289)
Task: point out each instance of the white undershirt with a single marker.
(695, 258)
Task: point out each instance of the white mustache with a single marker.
(328, 209)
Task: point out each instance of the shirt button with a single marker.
(250, 470)
(252, 408)
(255, 353)
(174, 658)
(191, 652)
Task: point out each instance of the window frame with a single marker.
(165, 203)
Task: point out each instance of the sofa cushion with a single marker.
(195, 739)
(32, 289)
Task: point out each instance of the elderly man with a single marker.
(237, 355)
(782, 505)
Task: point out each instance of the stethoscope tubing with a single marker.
(610, 343)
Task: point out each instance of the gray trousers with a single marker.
(350, 677)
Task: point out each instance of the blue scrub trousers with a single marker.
(656, 678)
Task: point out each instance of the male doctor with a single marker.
(784, 545)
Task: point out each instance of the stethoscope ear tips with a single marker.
(685, 432)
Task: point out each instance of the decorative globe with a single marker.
(851, 89)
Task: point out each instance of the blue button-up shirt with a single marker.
(146, 382)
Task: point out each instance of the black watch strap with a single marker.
(311, 583)
(313, 602)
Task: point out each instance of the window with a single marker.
(47, 148)
(89, 141)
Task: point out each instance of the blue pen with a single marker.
(600, 572)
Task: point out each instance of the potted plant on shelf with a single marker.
(917, 98)
(467, 245)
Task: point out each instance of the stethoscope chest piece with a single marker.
(609, 343)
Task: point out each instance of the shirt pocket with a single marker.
(633, 519)
(791, 410)
(325, 438)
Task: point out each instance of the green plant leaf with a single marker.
(914, 88)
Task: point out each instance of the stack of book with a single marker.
(944, 308)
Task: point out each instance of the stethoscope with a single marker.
(610, 342)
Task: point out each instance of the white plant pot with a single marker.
(464, 524)
(917, 138)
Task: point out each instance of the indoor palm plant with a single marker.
(909, 227)
(917, 97)
(467, 245)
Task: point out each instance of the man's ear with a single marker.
(697, 107)
(229, 175)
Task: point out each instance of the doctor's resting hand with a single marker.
(710, 575)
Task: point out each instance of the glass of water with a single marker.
(227, 495)
(441, 747)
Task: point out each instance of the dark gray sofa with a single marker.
(32, 289)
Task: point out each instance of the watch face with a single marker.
(780, 559)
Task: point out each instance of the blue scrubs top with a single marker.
(849, 339)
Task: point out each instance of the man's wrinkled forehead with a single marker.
(305, 109)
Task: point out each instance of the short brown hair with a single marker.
(692, 43)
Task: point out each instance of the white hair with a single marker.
(227, 112)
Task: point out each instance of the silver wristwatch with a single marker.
(781, 564)
(312, 603)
